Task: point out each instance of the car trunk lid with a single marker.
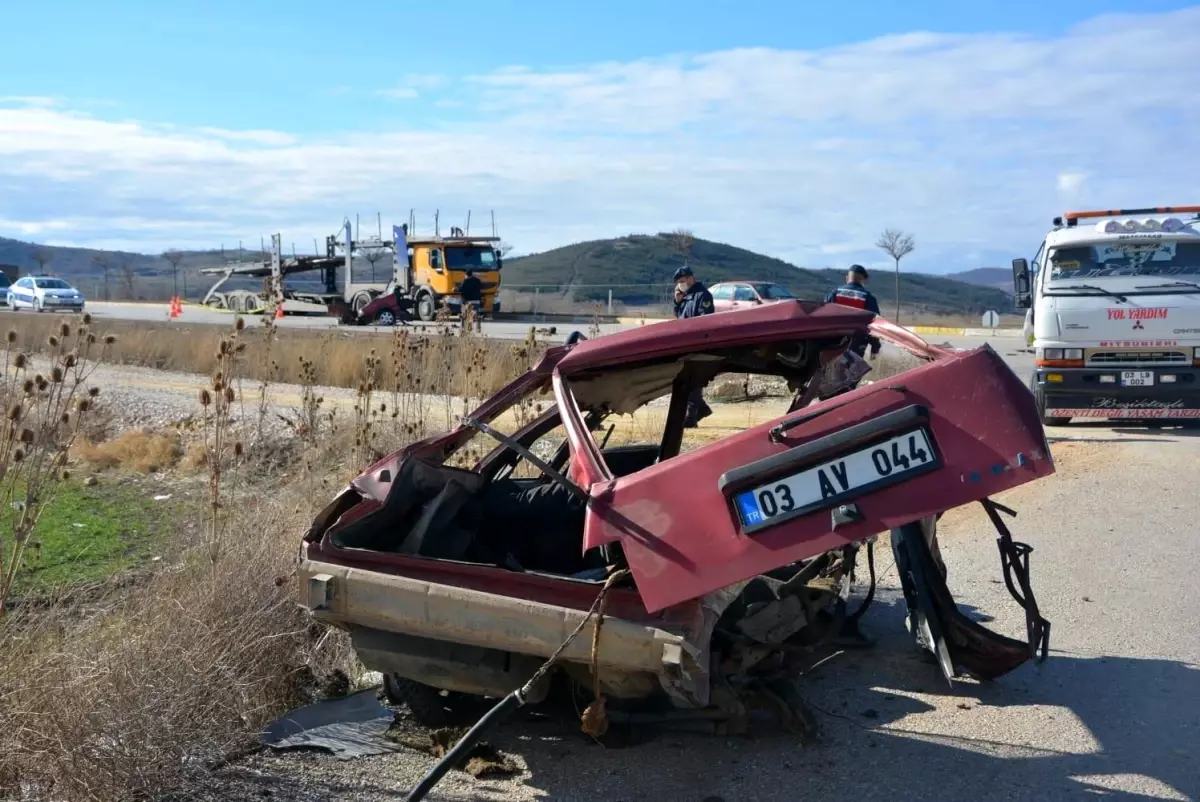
(953, 431)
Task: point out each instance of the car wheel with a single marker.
(426, 308)
(1039, 397)
(426, 703)
(386, 318)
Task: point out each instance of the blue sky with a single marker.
(798, 130)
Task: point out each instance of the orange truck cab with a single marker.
(430, 270)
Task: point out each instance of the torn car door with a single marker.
(955, 430)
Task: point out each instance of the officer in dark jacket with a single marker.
(692, 299)
(854, 293)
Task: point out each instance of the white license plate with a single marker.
(837, 480)
(1137, 378)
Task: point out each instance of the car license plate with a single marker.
(1137, 378)
(837, 480)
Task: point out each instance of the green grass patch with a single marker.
(88, 534)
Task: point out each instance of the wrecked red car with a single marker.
(741, 553)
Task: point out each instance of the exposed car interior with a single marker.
(489, 515)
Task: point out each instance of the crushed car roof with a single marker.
(769, 322)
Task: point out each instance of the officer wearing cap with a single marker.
(854, 293)
(692, 299)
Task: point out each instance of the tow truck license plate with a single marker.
(837, 480)
(1137, 378)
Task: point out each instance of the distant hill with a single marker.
(638, 268)
(998, 277)
(72, 262)
(151, 276)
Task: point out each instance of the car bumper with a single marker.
(366, 602)
(1167, 392)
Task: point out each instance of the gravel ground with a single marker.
(1116, 710)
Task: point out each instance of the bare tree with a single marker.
(129, 278)
(504, 248)
(42, 256)
(681, 241)
(896, 244)
(101, 261)
(175, 258)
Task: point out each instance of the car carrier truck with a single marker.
(424, 270)
(1113, 300)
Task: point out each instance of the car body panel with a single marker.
(681, 549)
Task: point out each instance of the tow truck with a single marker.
(1113, 305)
(422, 273)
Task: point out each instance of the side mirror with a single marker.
(499, 262)
(1022, 293)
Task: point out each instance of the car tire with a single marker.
(426, 307)
(426, 703)
(385, 317)
(1039, 397)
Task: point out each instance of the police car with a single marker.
(42, 293)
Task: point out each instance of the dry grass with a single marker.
(125, 700)
(429, 364)
(142, 451)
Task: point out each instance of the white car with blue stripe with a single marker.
(42, 293)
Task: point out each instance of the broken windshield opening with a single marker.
(1157, 258)
(458, 258)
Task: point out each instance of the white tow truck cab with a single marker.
(1114, 307)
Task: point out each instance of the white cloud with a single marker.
(413, 86)
(250, 137)
(399, 93)
(971, 143)
(1071, 186)
(28, 100)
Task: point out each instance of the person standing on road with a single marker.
(854, 294)
(692, 299)
(471, 292)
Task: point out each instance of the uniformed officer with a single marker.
(854, 293)
(692, 299)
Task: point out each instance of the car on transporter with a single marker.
(42, 293)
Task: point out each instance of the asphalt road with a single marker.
(507, 330)
(158, 313)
